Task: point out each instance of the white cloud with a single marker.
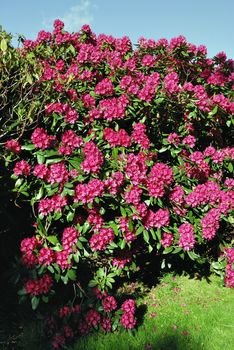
(75, 17)
(78, 15)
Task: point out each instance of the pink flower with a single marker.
(58, 341)
(128, 320)
(157, 219)
(129, 306)
(57, 173)
(62, 260)
(173, 138)
(100, 240)
(106, 324)
(92, 318)
(41, 139)
(13, 146)
(58, 25)
(39, 286)
(171, 82)
(40, 171)
(46, 256)
(114, 182)
(87, 192)
(69, 238)
(229, 275)
(210, 223)
(167, 239)
(22, 168)
(104, 87)
(109, 304)
(190, 141)
(139, 135)
(186, 236)
(93, 160)
(133, 195)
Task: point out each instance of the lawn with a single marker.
(181, 313)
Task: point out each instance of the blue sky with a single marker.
(208, 22)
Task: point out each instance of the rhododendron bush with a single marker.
(131, 155)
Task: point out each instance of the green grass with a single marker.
(182, 314)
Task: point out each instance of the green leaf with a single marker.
(75, 162)
(192, 255)
(52, 239)
(40, 158)
(40, 194)
(176, 250)
(163, 149)
(70, 216)
(71, 274)
(167, 250)
(123, 211)
(159, 100)
(28, 147)
(146, 236)
(139, 230)
(230, 167)
(35, 302)
(130, 225)
(92, 283)
(3, 45)
(114, 227)
(22, 292)
(150, 248)
(76, 256)
(122, 244)
(50, 268)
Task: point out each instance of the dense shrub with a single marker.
(132, 156)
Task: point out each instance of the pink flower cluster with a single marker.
(161, 175)
(70, 141)
(48, 205)
(229, 276)
(110, 109)
(109, 304)
(128, 319)
(117, 138)
(41, 139)
(147, 93)
(27, 248)
(210, 223)
(86, 193)
(186, 236)
(95, 219)
(70, 114)
(133, 195)
(136, 168)
(93, 158)
(57, 173)
(46, 256)
(171, 82)
(177, 197)
(92, 318)
(22, 168)
(39, 286)
(139, 135)
(122, 258)
(129, 235)
(114, 182)
(13, 146)
(69, 238)
(104, 87)
(100, 240)
(157, 219)
(167, 239)
(208, 192)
